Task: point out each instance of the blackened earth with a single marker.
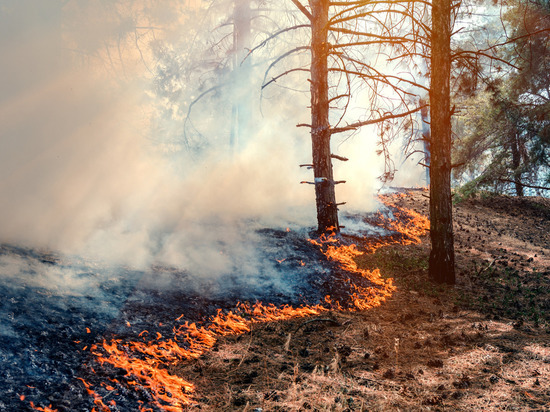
(55, 307)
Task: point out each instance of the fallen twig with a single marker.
(486, 268)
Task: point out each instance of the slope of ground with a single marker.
(483, 345)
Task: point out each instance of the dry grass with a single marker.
(428, 348)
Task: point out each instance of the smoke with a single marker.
(82, 171)
(106, 215)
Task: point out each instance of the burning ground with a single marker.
(104, 336)
(483, 345)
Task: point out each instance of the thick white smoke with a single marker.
(82, 173)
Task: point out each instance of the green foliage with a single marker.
(504, 130)
(471, 190)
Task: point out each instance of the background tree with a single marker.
(504, 144)
(495, 56)
(207, 68)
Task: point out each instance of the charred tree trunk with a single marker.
(442, 256)
(327, 213)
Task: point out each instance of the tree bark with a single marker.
(327, 212)
(516, 163)
(426, 139)
(442, 256)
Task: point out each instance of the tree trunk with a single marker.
(442, 256)
(327, 213)
(426, 139)
(516, 163)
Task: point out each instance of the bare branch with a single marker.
(263, 43)
(282, 56)
(514, 39)
(302, 9)
(391, 40)
(274, 79)
(356, 125)
(190, 108)
(341, 158)
(405, 14)
(466, 54)
(384, 79)
(340, 96)
(524, 184)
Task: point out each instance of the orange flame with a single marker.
(145, 362)
(362, 297)
(44, 409)
(412, 225)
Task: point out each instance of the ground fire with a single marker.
(119, 366)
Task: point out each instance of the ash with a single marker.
(55, 307)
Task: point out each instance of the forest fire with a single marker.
(408, 223)
(143, 365)
(145, 362)
(150, 160)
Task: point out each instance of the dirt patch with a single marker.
(482, 345)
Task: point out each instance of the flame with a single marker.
(44, 409)
(145, 361)
(260, 313)
(362, 297)
(97, 399)
(412, 225)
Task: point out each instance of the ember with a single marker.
(44, 409)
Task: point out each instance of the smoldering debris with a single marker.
(47, 326)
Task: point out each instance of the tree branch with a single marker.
(281, 57)
(263, 43)
(391, 40)
(471, 54)
(524, 184)
(356, 125)
(303, 9)
(274, 79)
(341, 158)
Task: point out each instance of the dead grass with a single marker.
(483, 345)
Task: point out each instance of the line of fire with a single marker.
(125, 373)
(183, 175)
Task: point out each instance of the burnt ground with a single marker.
(482, 345)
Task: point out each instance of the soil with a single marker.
(481, 345)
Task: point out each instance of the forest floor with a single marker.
(481, 345)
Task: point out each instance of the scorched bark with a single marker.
(327, 212)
